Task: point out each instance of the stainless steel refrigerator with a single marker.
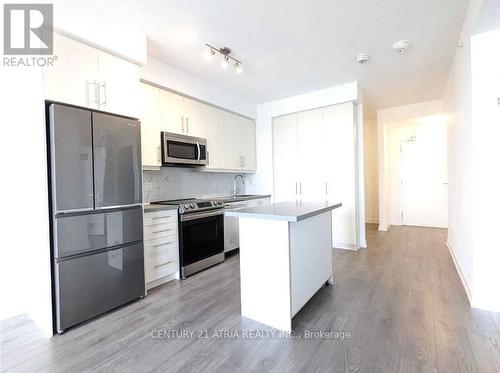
(96, 211)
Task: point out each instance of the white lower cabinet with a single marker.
(161, 247)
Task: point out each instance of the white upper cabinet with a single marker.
(212, 128)
(172, 112)
(239, 139)
(180, 114)
(118, 85)
(85, 76)
(150, 126)
(72, 78)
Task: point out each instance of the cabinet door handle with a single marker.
(182, 121)
(300, 188)
(163, 264)
(90, 102)
(105, 96)
(326, 188)
(163, 244)
(158, 153)
(187, 124)
(296, 189)
(161, 231)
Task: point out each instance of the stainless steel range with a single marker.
(201, 233)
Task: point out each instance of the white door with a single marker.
(118, 85)
(311, 157)
(150, 125)
(285, 158)
(340, 169)
(172, 112)
(424, 188)
(213, 131)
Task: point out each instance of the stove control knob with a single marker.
(186, 207)
(220, 202)
(192, 205)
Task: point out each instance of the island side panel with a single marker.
(310, 257)
(265, 272)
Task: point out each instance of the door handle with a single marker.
(198, 151)
(326, 188)
(187, 124)
(300, 188)
(158, 153)
(182, 121)
(105, 101)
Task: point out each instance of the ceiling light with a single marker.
(226, 57)
(362, 58)
(238, 68)
(401, 46)
(209, 54)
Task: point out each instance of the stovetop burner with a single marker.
(187, 205)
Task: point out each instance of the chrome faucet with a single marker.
(235, 193)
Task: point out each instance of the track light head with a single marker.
(225, 62)
(238, 68)
(209, 54)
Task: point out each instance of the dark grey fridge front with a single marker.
(97, 228)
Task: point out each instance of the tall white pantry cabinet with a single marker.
(315, 159)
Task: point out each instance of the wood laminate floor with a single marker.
(401, 301)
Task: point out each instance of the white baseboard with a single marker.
(345, 246)
(460, 273)
(371, 221)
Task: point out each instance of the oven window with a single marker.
(202, 238)
(181, 150)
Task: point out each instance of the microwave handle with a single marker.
(198, 151)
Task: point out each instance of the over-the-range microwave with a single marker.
(182, 150)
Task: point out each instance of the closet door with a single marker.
(285, 158)
(338, 133)
(311, 156)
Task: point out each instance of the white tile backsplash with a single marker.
(175, 183)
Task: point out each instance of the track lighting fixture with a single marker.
(225, 53)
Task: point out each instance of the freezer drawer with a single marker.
(90, 285)
(117, 160)
(80, 233)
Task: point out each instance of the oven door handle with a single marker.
(203, 214)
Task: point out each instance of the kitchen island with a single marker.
(285, 258)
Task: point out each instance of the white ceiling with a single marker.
(295, 46)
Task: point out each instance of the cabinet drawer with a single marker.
(151, 219)
(159, 244)
(159, 270)
(158, 231)
(163, 254)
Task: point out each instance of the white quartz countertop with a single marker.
(292, 211)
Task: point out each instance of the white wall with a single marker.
(85, 23)
(371, 171)
(177, 80)
(385, 119)
(470, 101)
(485, 84)
(25, 253)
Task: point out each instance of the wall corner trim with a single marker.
(460, 273)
